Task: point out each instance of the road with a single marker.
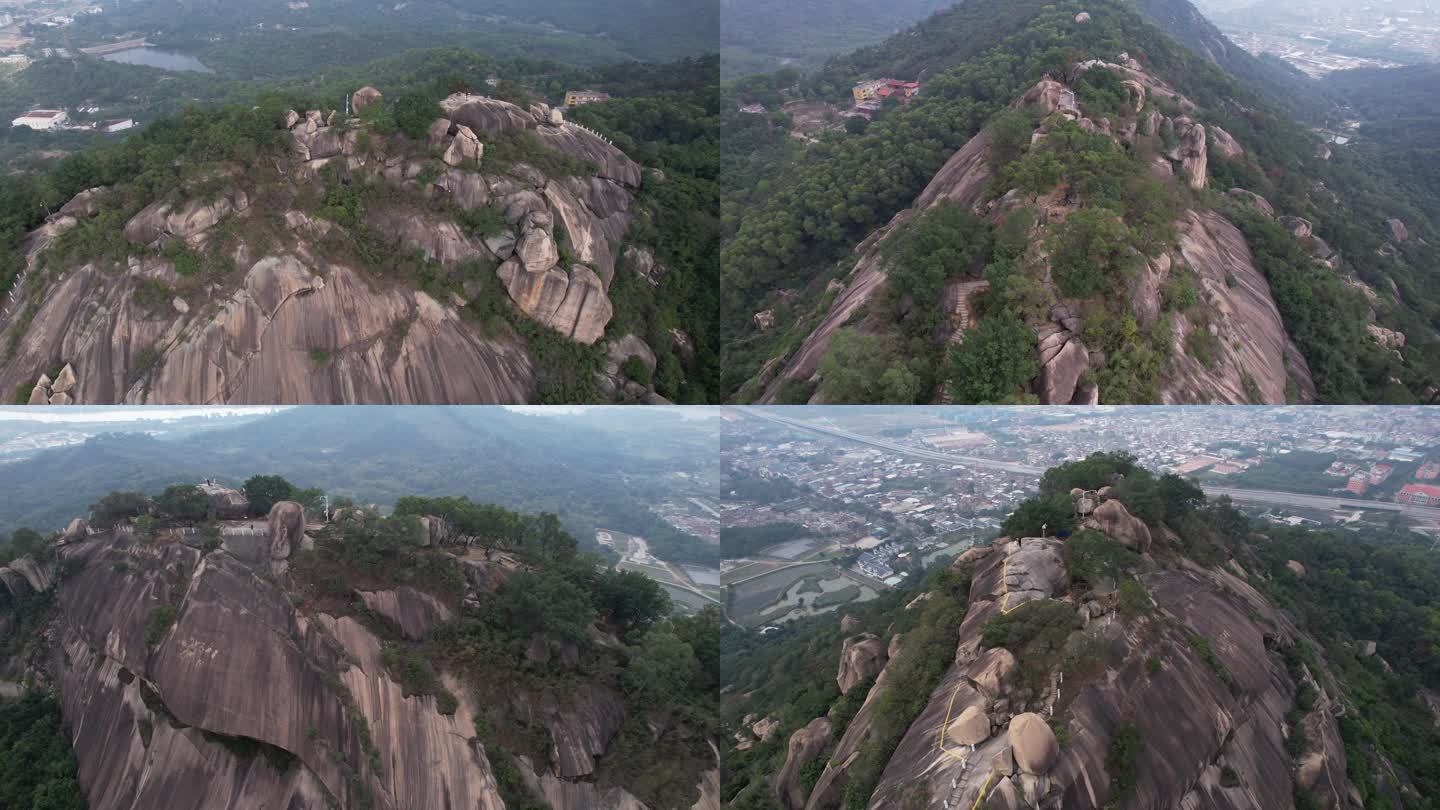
(1427, 514)
(1329, 502)
(896, 447)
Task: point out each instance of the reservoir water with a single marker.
(158, 58)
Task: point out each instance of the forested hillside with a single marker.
(757, 37)
(1158, 612)
(1324, 258)
(661, 233)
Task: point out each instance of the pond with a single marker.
(158, 58)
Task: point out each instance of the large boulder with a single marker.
(363, 98)
(1034, 570)
(1112, 518)
(287, 529)
(1033, 743)
(862, 657)
(164, 219)
(1398, 231)
(1224, 143)
(805, 744)
(64, 381)
(572, 303)
(970, 728)
(77, 529)
(1190, 152)
(1063, 358)
(991, 672)
(466, 146)
(37, 576)
(1254, 199)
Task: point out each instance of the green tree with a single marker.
(660, 669)
(859, 368)
(263, 491)
(994, 363)
(117, 507)
(183, 502)
(1089, 251)
(545, 601)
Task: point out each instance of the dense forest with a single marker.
(37, 767)
(792, 213)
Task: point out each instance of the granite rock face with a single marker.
(1252, 359)
(861, 658)
(296, 323)
(987, 737)
(254, 696)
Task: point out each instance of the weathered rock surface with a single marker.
(156, 729)
(1224, 143)
(1251, 338)
(415, 613)
(572, 303)
(1193, 721)
(384, 345)
(1112, 518)
(1032, 743)
(363, 97)
(861, 658)
(1253, 357)
(805, 744)
(486, 115)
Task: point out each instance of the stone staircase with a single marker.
(960, 316)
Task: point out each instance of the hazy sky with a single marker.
(97, 413)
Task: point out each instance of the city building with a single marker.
(574, 97)
(42, 120)
(1358, 483)
(1419, 495)
(1428, 471)
(116, 125)
(753, 109)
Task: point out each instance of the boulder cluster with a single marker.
(59, 391)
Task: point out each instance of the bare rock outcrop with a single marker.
(1112, 518)
(381, 344)
(1253, 199)
(465, 147)
(1191, 151)
(161, 220)
(1223, 143)
(485, 115)
(1195, 716)
(414, 612)
(1063, 358)
(1389, 338)
(1033, 744)
(804, 745)
(1398, 231)
(571, 302)
(364, 97)
(1251, 339)
(287, 530)
(862, 657)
